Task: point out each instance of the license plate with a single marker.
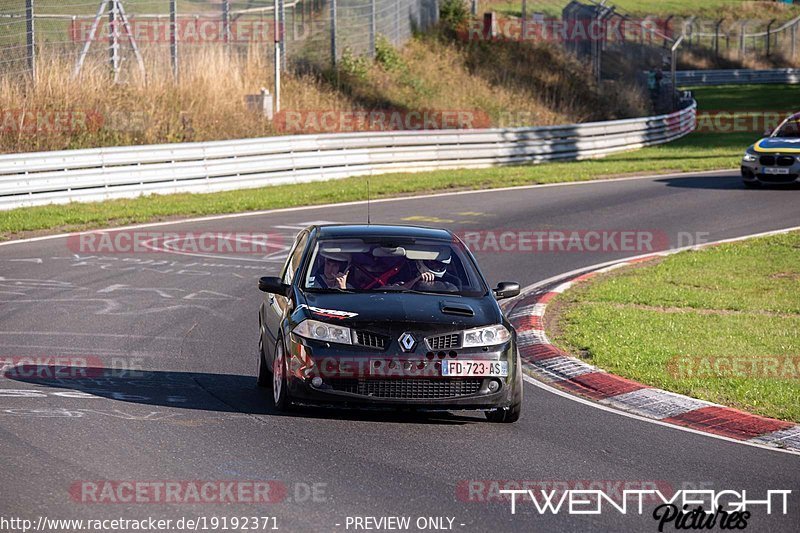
(467, 368)
(776, 170)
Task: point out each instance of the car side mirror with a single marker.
(273, 285)
(506, 289)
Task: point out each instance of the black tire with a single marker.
(510, 414)
(264, 373)
(280, 390)
(752, 184)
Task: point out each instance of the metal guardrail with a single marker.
(687, 78)
(103, 173)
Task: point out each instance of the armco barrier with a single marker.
(686, 78)
(103, 173)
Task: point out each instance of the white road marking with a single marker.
(364, 203)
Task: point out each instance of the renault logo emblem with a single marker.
(407, 342)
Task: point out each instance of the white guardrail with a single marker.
(30, 179)
(687, 78)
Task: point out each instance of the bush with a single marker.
(453, 14)
(387, 55)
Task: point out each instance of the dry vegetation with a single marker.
(513, 84)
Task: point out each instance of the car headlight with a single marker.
(487, 336)
(320, 331)
(750, 158)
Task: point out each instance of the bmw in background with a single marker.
(387, 316)
(774, 159)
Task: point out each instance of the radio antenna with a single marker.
(368, 219)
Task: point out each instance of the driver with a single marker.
(431, 274)
(335, 269)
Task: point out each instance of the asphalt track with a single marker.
(195, 413)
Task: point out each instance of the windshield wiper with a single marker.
(412, 291)
(330, 289)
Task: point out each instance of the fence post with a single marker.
(30, 39)
(113, 38)
(373, 28)
(769, 36)
(282, 14)
(173, 37)
(333, 32)
(226, 21)
(794, 39)
(716, 37)
(524, 20)
(673, 69)
(667, 29)
(277, 30)
(742, 40)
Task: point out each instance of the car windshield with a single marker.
(790, 128)
(392, 265)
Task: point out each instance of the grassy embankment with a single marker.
(719, 324)
(696, 152)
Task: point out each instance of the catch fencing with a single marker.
(143, 35)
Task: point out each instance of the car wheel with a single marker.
(280, 390)
(752, 184)
(510, 414)
(264, 373)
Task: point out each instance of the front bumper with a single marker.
(349, 378)
(756, 172)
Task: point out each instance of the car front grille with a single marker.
(365, 338)
(781, 160)
(444, 342)
(409, 389)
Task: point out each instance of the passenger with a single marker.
(334, 272)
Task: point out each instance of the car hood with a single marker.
(424, 310)
(788, 145)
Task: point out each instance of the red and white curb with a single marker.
(559, 369)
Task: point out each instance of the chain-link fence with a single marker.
(129, 36)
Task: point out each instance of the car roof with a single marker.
(381, 230)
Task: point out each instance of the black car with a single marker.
(387, 316)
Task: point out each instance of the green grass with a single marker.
(695, 152)
(736, 302)
(747, 98)
(709, 8)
